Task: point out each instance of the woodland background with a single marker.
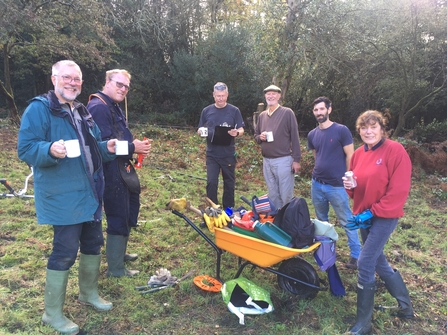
(371, 54)
(386, 55)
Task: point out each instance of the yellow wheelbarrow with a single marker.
(294, 274)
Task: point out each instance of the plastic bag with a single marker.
(246, 298)
(325, 255)
(325, 228)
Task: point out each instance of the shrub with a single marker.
(307, 162)
(435, 131)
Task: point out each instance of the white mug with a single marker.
(122, 148)
(72, 148)
(203, 131)
(269, 136)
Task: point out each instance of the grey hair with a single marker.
(56, 67)
(220, 86)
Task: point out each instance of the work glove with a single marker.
(162, 277)
(176, 204)
(215, 218)
(362, 220)
(209, 220)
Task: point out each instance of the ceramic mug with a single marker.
(122, 148)
(203, 131)
(72, 148)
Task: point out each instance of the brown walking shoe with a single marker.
(352, 264)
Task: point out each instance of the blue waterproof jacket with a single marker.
(65, 191)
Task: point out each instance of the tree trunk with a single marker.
(13, 113)
(259, 110)
(6, 88)
(289, 38)
(403, 115)
(400, 125)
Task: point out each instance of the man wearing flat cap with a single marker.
(277, 133)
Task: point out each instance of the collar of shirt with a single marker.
(376, 146)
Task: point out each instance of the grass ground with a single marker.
(176, 169)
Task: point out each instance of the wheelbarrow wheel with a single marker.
(300, 269)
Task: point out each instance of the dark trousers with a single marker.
(213, 167)
(67, 240)
(120, 206)
(122, 212)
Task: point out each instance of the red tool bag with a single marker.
(245, 222)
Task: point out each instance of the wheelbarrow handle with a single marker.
(244, 199)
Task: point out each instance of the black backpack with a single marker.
(294, 219)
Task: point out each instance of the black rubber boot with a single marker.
(365, 307)
(397, 288)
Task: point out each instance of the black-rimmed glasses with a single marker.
(121, 85)
(68, 79)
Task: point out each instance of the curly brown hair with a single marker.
(371, 117)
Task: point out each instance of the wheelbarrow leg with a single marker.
(241, 268)
(206, 238)
(218, 258)
(287, 274)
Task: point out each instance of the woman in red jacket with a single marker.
(382, 169)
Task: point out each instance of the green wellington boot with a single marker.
(115, 250)
(88, 283)
(129, 257)
(55, 289)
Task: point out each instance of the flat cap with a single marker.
(273, 88)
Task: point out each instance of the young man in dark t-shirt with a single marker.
(332, 146)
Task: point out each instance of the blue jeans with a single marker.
(322, 196)
(280, 179)
(67, 240)
(372, 258)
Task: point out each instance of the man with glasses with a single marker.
(121, 203)
(221, 155)
(68, 190)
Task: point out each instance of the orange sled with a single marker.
(294, 273)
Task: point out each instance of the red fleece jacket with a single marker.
(383, 179)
